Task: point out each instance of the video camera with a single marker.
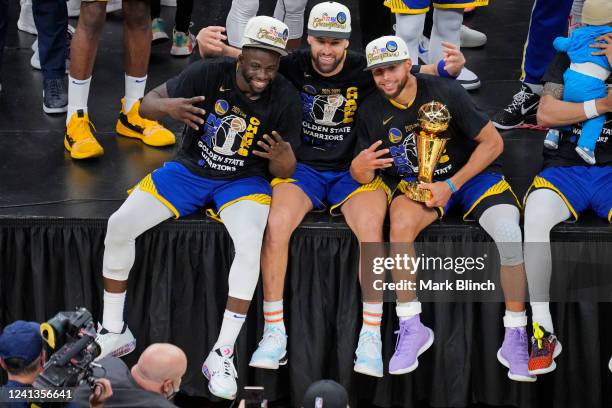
(70, 339)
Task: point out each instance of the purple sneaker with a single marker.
(413, 340)
(514, 354)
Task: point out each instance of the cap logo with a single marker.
(392, 46)
(329, 22)
(380, 54)
(273, 35)
(318, 402)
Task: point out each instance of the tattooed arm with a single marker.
(554, 112)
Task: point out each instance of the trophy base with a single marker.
(414, 193)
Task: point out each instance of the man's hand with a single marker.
(210, 41)
(454, 60)
(183, 109)
(371, 159)
(101, 393)
(605, 48)
(274, 149)
(440, 193)
(279, 153)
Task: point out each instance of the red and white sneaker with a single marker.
(115, 344)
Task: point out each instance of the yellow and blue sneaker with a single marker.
(79, 139)
(131, 124)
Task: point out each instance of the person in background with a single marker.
(79, 139)
(291, 12)
(549, 19)
(152, 382)
(183, 41)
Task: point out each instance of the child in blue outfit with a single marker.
(584, 80)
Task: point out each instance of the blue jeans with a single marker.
(51, 19)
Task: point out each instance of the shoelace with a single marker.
(404, 337)
(271, 339)
(56, 86)
(227, 367)
(369, 344)
(84, 123)
(518, 99)
(522, 339)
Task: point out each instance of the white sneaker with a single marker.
(271, 351)
(26, 18)
(168, 3)
(471, 38)
(115, 344)
(220, 372)
(113, 5)
(468, 79)
(74, 8)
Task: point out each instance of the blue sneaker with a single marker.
(552, 139)
(586, 154)
(272, 350)
(369, 354)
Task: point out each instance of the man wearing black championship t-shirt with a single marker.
(561, 191)
(231, 107)
(332, 84)
(468, 176)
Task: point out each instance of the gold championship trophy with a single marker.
(434, 118)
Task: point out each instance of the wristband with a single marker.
(451, 185)
(443, 72)
(590, 109)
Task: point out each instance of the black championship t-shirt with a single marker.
(566, 154)
(223, 147)
(329, 108)
(379, 119)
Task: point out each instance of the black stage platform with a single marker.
(53, 213)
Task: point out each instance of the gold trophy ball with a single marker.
(434, 117)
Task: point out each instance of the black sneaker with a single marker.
(55, 95)
(524, 103)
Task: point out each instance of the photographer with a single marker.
(152, 382)
(21, 354)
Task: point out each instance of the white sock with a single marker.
(230, 328)
(407, 310)
(372, 316)
(541, 314)
(134, 90)
(535, 88)
(78, 93)
(112, 317)
(273, 314)
(515, 319)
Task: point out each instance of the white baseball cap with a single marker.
(330, 19)
(267, 33)
(387, 50)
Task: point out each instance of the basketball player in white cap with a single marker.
(242, 119)
(468, 176)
